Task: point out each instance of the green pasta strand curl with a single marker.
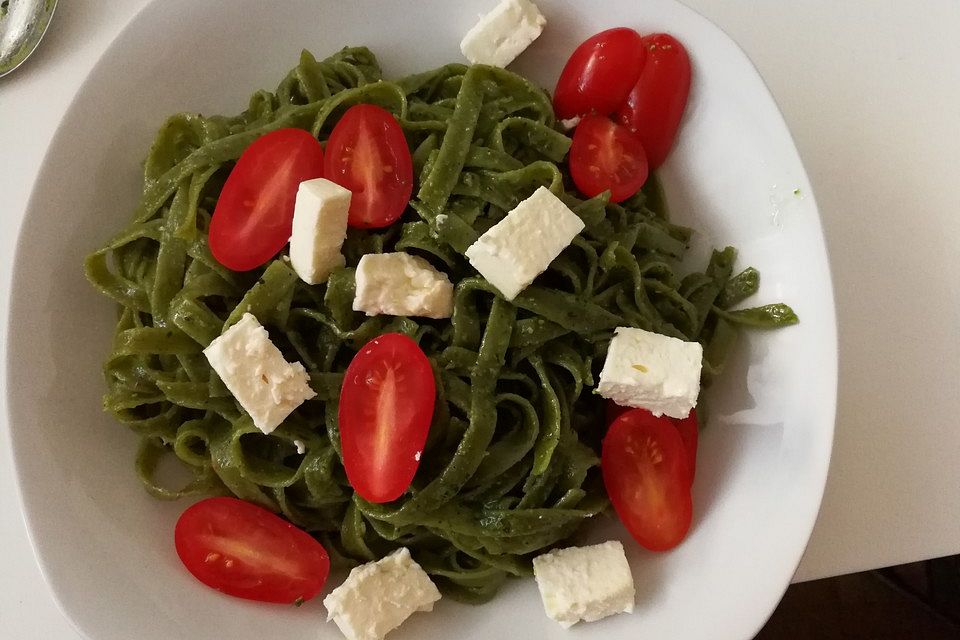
(511, 464)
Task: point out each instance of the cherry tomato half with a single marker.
(655, 105)
(644, 467)
(606, 156)
(368, 154)
(254, 214)
(688, 427)
(599, 74)
(246, 551)
(386, 405)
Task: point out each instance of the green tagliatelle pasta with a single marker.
(511, 463)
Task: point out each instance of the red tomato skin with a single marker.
(381, 453)
(242, 237)
(218, 538)
(655, 105)
(599, 74)
(689, 429)
(606, 156)
(368, 154)
(644, 468)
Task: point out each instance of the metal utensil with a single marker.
(22, 25)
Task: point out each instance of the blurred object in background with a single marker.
(918, 601)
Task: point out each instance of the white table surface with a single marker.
(871, 91)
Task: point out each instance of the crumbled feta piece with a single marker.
(652, 371)
(570, 123)
(502, 35)
(438, 223)
(319, 228)
(378, 596)
(521, 246)
(399, 284)
(267, 386)
(584, 583)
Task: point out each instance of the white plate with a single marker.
(106, 548)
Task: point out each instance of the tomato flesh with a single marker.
(599, 74)
(368, 154)
(606, 156)
(386, 405)
(688, 427)
(614, 411)
(254, 214)
(655, 105)
(646, 474)
(246, 551)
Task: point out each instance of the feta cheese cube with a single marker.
(584, 583)
(521, 246)
(651, 371)
(399, 284)
(501, 35)
(319, 228)
(378, 596)
(267, 386)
